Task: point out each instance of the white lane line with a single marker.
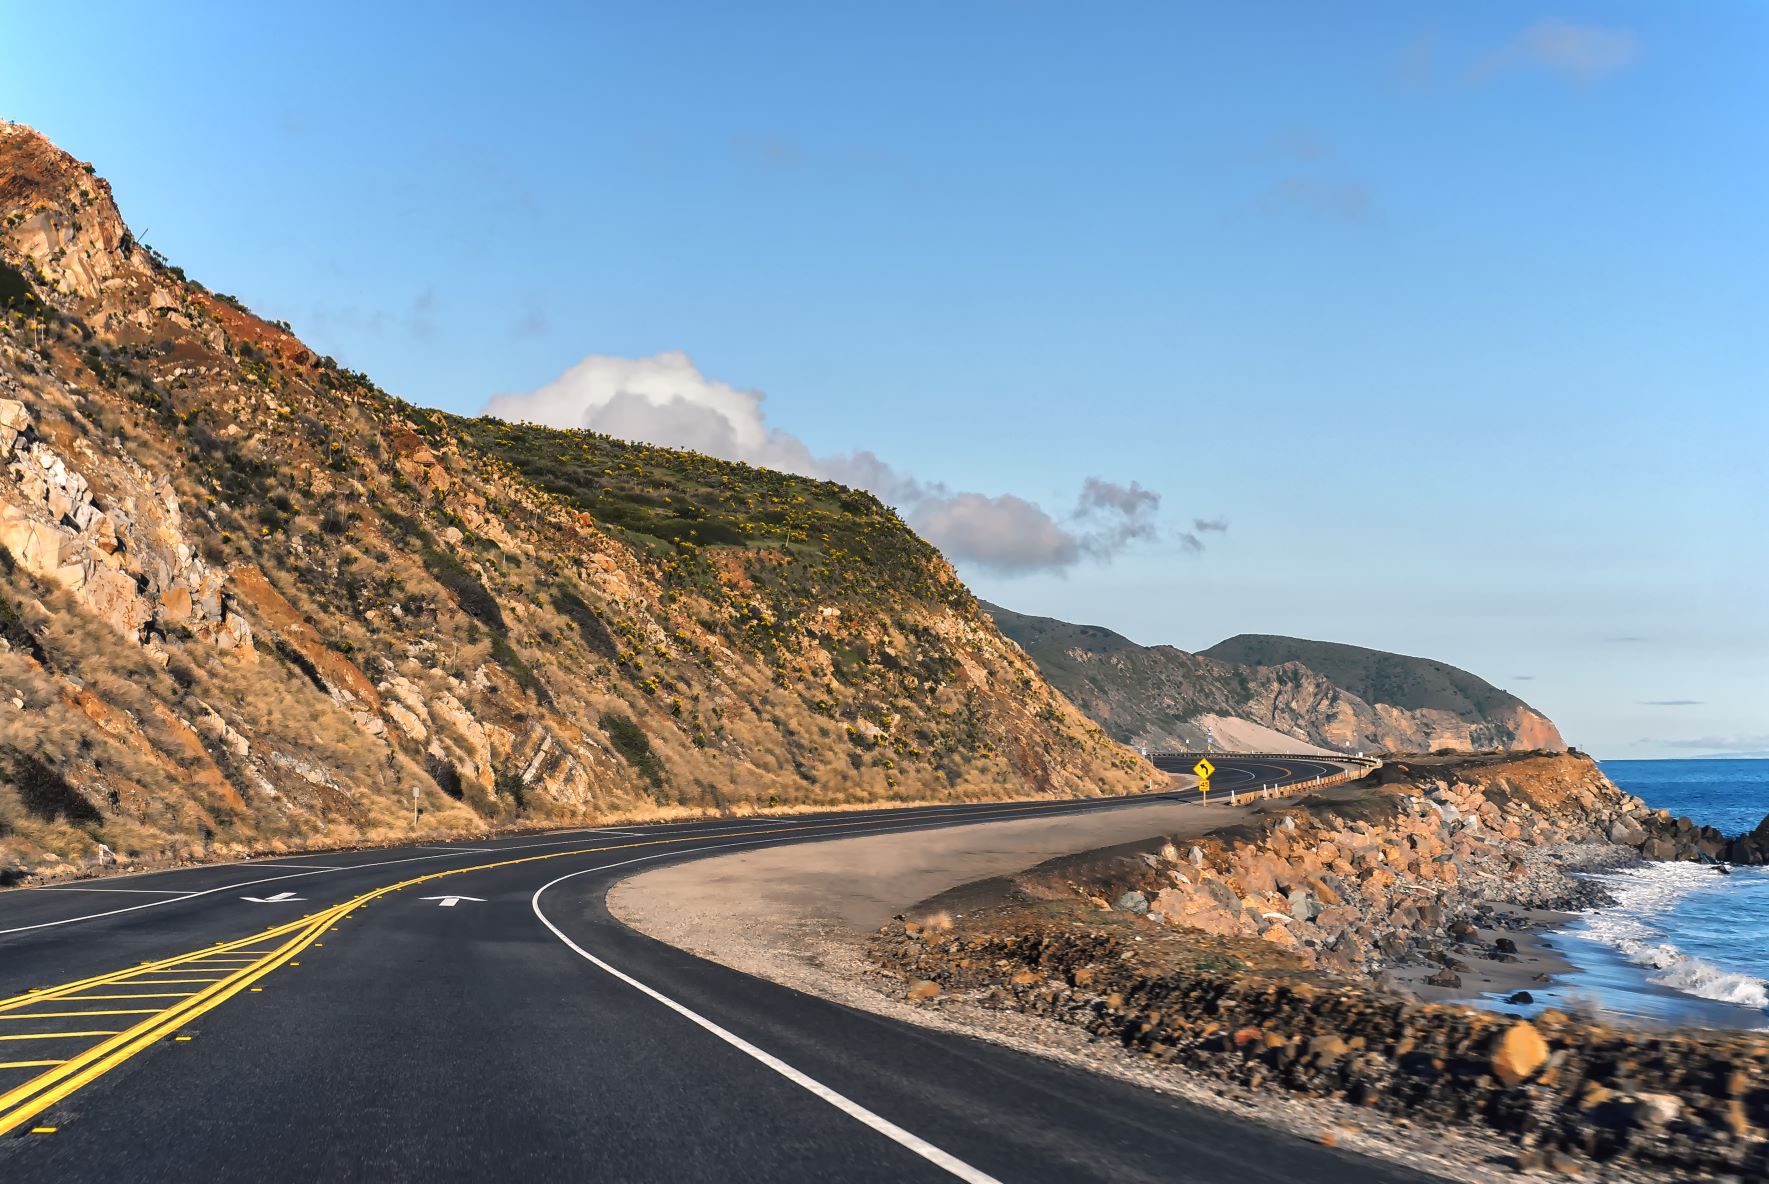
(884, 1126)
(309, 867)
(475, 850)
(275, 879)
(211, 891)
(272, 880)
(144, 891)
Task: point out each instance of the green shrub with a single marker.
(45, 793)
(298, 660)
(630, 741)
(588, 621)
(446, 776)
(506, 656)
(473, 597)
(506, 784)
(13, 629)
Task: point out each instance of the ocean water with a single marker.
(1682, 944)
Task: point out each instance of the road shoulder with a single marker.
(799, 916)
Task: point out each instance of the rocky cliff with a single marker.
(1263, 693)
(249, 601)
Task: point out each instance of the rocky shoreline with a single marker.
(1303, 949)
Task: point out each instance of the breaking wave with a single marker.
(1661, 904)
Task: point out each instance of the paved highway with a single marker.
(469, 1011)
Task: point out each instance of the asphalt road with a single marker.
(334, 1017)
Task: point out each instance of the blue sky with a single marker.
(1453, 314)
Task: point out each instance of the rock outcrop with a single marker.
(1260, 693)
(250, 601)
(129, 564)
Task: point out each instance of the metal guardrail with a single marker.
(1371, 762)
(1363, 767)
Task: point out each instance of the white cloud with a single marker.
(666, 400)
(1007, 535)
(1580, 53)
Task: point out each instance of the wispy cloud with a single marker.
(774, 151)
(1302, 194)
(784, 154)
(1311, 184)
(418, 321)
(1191, 540)
(1737, 745)
(1671, 702)
(1300, 143)
(1578, 53)
(532, 321)
(1415, 69)
(666, 400)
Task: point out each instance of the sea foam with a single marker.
(1636, 926)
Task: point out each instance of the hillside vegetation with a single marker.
(248, 600)
(1412, 684)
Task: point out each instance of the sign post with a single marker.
(1203, 769)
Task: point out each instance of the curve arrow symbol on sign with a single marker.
(279, 898)
(449, 902)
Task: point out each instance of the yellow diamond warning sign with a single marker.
(1204, 768)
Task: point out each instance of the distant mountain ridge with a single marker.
(1260, 691)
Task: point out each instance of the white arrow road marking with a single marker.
(279, 898)
(449, 902)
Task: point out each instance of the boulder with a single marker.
(1656, 1109)
(1132, 902)
(1519, 1053)
(1279, 935)
(1170, 901)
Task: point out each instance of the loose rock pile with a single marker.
(1252, 954)
(1401, 874)
(1558, 1087)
